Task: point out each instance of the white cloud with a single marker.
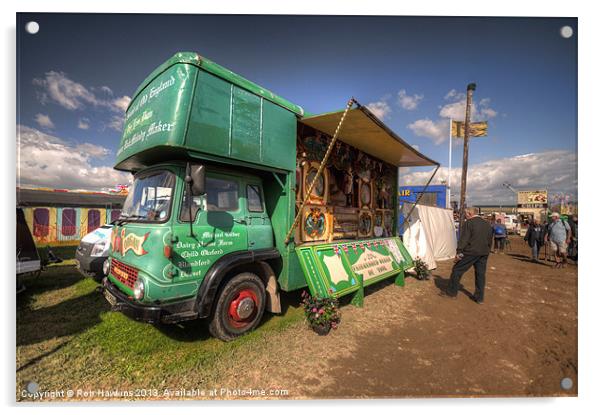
(456, 110)
(92, 150)
(106, 90)
(46, 160)
(438, 131)
(122, 103)
(44, 121)
(57, 87)
(555, 170)
(83, 123)
(408, 102)
(453, 94)
(116, 123)
(379, 108)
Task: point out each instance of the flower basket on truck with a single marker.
(237, 195)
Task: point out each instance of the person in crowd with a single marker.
(572, 249)
(499, 234)
(545, 243)
(535, 238)
(559, 232)
(473, 250)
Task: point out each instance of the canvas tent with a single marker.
(429, 233)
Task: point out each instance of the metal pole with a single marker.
(469, 91)
(449, 166)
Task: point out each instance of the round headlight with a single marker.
(138, 289)
(106, 266)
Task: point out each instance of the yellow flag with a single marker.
(477, 129)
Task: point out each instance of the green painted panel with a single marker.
(159, 114)
(336, 269)
(192, 107)
(192, 58)
(209, 125)
(279, 136)
(245, 141)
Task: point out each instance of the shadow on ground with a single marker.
(442, 284)
(66, 318)
(195, 330)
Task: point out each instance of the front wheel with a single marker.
(239, 307)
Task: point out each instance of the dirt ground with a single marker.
(405, 342)
(411, 342)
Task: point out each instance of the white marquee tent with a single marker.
(429, 234)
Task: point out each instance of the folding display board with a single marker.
(336, 269)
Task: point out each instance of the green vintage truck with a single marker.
(238, 195)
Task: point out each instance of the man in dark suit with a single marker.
(473, 250)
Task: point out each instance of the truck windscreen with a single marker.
(149, 200)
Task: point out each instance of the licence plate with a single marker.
(110, 298)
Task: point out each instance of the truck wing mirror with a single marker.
(197, 174)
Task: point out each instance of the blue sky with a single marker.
(76, 75)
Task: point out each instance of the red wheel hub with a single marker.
(242, 307)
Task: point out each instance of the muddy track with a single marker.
(412, 342)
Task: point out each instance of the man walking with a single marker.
(535, 238)
(559, 232)
(473, 250)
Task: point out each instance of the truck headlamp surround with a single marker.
(138, 289)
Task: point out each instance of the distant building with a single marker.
(434, 195)
(59, 217)
(489, 209)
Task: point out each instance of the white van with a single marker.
(93, 251)
(511, 223)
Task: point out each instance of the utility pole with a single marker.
(449, 166)
(513, 190)
(469, 91)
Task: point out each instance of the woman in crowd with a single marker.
(499, 236)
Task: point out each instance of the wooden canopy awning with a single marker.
(364, 131)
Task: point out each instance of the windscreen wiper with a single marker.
(126, 218)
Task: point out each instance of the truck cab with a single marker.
(224, 222)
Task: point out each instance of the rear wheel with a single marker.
(239, 307)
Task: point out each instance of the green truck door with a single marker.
(219, 226)
(259, 229)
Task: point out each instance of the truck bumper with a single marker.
(168, 313)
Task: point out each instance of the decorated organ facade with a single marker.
(353, 198)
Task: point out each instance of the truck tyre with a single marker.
(239, 307)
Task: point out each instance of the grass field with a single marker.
(63, 252)
(68, 339)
